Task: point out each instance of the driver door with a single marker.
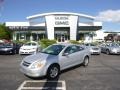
(69, 57)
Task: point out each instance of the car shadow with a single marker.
(51, 84)
(36, 78)
(54, 83)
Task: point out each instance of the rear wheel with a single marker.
(53, 72)
(86, 61)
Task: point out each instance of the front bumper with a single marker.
(115, 51)
(27, 51)
(33, 72)
(95, 51)
(6, 51)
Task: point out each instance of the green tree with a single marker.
(5, 33)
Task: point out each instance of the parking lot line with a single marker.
(22, 86)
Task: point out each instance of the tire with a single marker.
(53, 72)
(86, 61)
(36, 52)
(13, 52)
(107, 52)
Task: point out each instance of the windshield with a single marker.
(7, 45)
(113, 45)
(90, 44)
(54, 49)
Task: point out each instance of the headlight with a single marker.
(34, 48)
(37, 64)
(21, 48)
(114, 50)
(91, 49)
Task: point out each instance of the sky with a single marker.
(107, 11)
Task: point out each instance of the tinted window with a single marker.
(8, 45)
(27, 44)
(72, 49)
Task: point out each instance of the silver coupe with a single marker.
(53, 59)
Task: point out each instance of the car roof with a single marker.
(66, 44)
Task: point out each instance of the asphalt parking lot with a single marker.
(103, 73)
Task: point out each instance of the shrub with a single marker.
(20, 41)
(81, 42)
(46, 42)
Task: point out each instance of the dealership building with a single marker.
(61, 26)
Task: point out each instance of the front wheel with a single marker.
(36, 52)
(53, 72)
(13, 52)
(107, 52)
(86, 61)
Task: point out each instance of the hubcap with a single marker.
(53, 72)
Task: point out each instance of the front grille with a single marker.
(26, 63)
(26, 49)
(95, 48)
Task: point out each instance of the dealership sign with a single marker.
(61, 20)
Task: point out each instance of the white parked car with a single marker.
(29, 48)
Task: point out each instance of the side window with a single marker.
(68, 50)
(71, 49)
(81, 48)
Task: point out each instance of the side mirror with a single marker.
(65, 54)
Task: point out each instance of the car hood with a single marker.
(116, 47)
(28, 47)
(91, 47)
(38, 56)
